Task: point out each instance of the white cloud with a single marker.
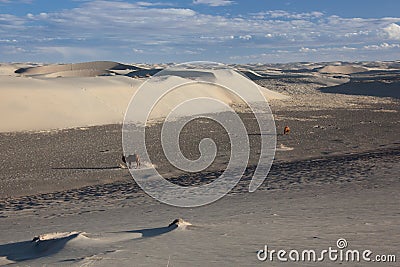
(213, 2)
(381, 46)
(8, 41)
(356, 34)
(328, 49)
(153, 4)
(12, 50)
(289, 15)
(11, 20)
(139, 51)
(393, 31)
(245, 37)
(307, 50)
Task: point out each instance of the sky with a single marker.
(228, 31)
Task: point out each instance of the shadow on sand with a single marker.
(380, 89)
(151, 232)
(29, 250)
(36, 248)
(88, 168)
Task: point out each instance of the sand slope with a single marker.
(74, 95)
(37, 104)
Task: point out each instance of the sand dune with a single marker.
(41, 104)
(39, 247)
(86, 69)
(74, 95)
(80, 244)
(346, 69)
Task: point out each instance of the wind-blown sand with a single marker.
(64, 200)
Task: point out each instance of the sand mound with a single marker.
(179, 223)
(86, 69)
(76, 246)
(40, 246)
(347, 69)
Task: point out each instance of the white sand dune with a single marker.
(86, 69)
(67, 96)
(345, 69)
(198, 83)
(42, 104)
(78, 73)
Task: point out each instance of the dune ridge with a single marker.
(85, 69)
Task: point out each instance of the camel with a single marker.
(131, 159)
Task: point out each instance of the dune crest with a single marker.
(56, 235)
(86, 69)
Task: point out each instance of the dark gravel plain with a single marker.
(46, 162)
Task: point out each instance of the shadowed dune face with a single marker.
(33, 249)
(50, 244)
(152, 232)
(375, 88)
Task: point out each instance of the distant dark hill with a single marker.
(368, 88)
